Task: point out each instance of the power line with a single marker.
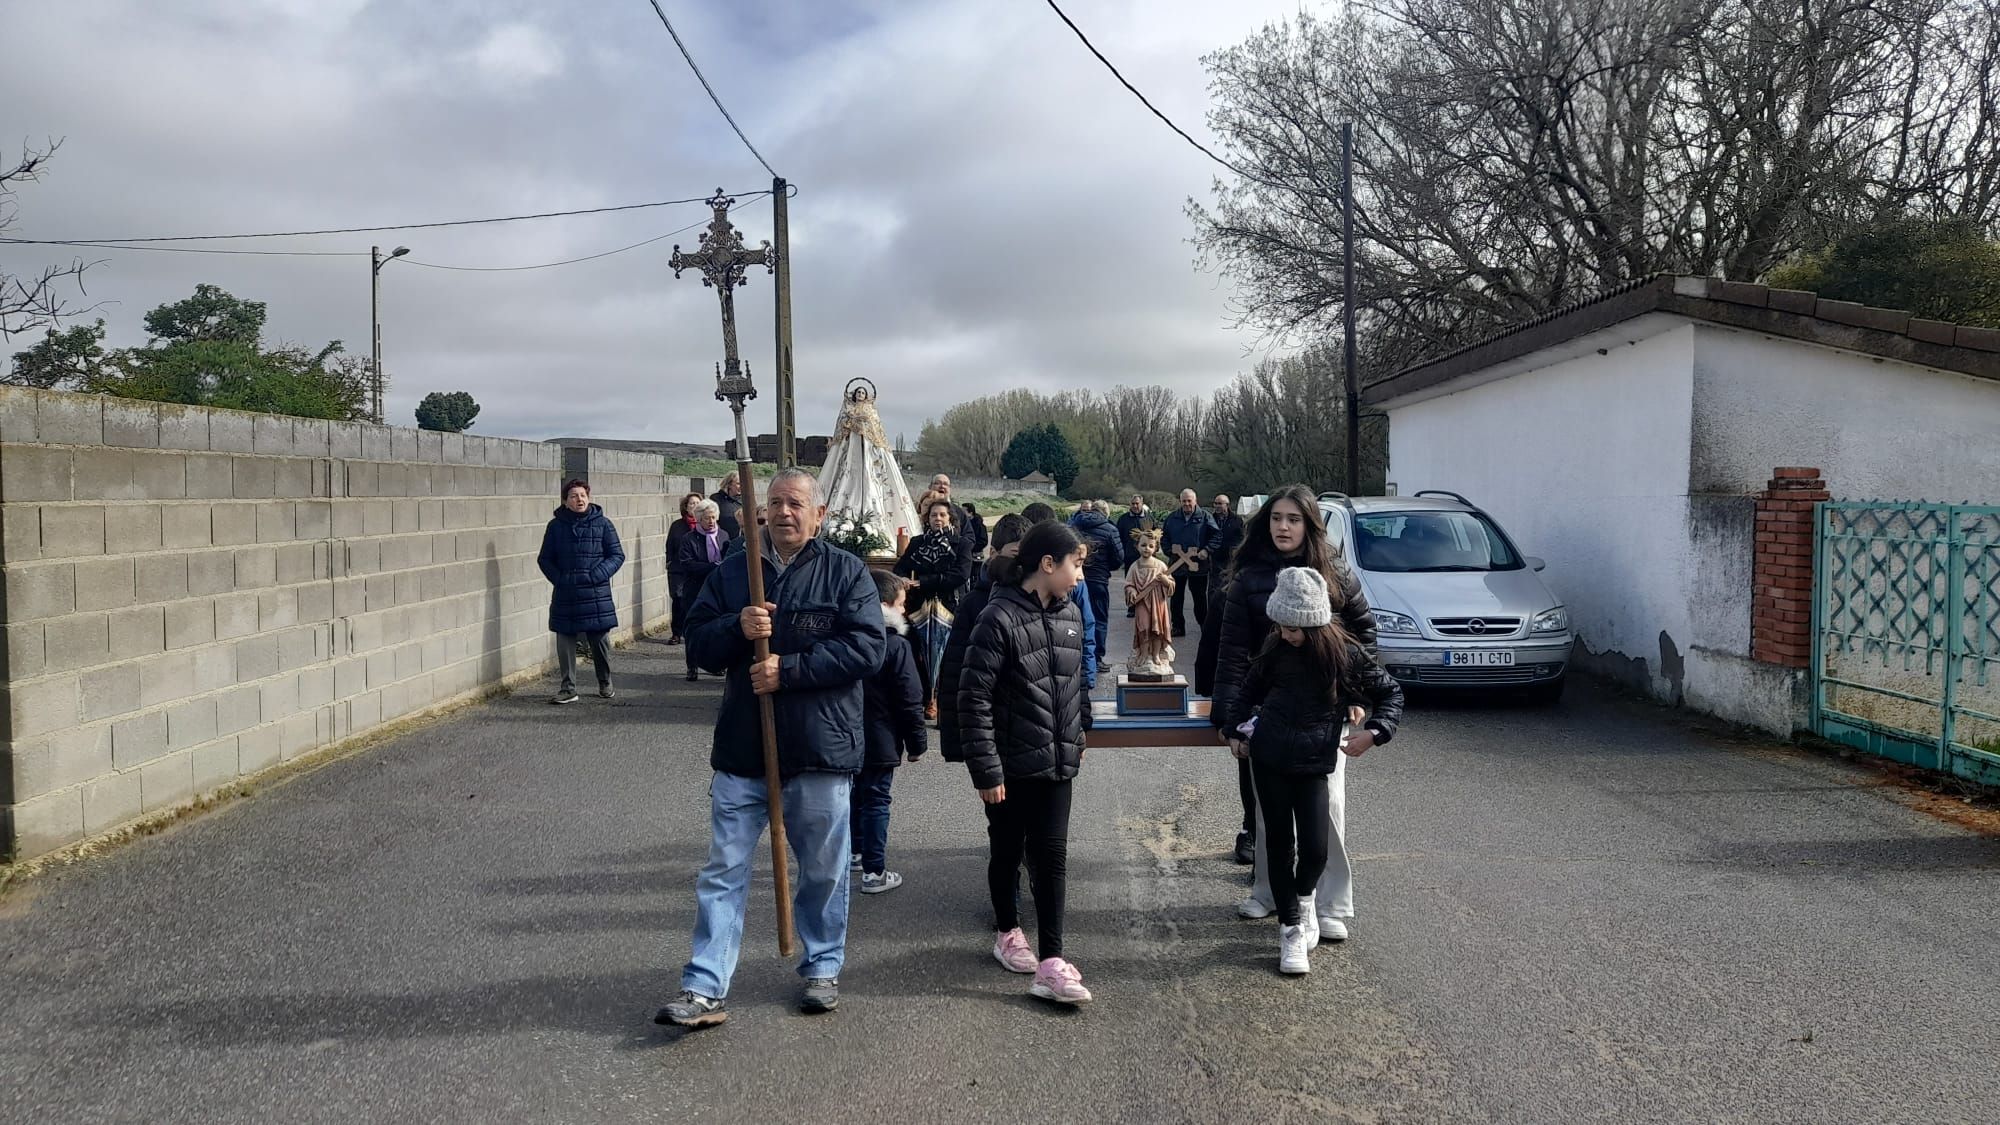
(1149, 105)
(189, 249)
(711, 90)
(370, 230)
(564, 262)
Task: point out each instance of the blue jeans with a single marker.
(816, 827)
(870, 811)
(1100, 606)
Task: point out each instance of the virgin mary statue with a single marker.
(861, 479)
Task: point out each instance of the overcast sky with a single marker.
(979, 205)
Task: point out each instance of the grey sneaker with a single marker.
(877, 884)
(692, 1010)
(822, 994)
(566, 695)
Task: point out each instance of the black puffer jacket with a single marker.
(1021, 701)
(579, 555)
(1245, 625)
(1101, 536)
(970, 605)
(1299, 720)
(828, 636)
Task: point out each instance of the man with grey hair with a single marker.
(823, 618)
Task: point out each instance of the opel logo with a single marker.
(1475, 626)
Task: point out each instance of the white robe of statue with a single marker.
(861, 477)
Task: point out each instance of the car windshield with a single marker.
(1419, 542)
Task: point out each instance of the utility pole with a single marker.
(1347, 305)
(375, 263)
(788, 451)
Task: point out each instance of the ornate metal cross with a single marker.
(724, 261)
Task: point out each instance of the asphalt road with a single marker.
(1596, 913)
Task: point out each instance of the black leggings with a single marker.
(1295, 805)
(1032, 821)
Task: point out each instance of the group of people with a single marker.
(1295, 692)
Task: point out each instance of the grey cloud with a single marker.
(980, 205)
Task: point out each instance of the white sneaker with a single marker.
(1292, 950)
(872, 884)
(1309, 922)
(1251, 908)
(854, 863)
(1332, 929)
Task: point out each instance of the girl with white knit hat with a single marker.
(1308, 690)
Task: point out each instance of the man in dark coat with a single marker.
(1102, 538)
(580, 552)
(729, 506)
(1130, 522)
(824, 623)
(1228, 537)
(975, 530)
(1188, 533)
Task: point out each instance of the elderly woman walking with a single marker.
(701, 551)
(678, 593)
(580, 553)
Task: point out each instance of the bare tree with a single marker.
(33, 300)
(1513, 156)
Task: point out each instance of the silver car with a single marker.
(1456, 604)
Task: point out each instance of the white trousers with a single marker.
(1334, 896)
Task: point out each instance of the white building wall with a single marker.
(1585, 462)
(1878, 429)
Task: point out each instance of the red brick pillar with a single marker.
(1781, 614)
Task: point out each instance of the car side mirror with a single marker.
(1535, 562)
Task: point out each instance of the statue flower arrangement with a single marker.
(858, 533)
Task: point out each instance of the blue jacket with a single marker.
(579, 555)
(1102, 537)
(894, 700)
(1192, 532)
(1090, 654)
(829, 637)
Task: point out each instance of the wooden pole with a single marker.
(781, 260)
(753, 562)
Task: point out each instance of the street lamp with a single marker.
(375, 262)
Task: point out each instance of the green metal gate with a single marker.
(1906, 633)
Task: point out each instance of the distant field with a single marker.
(709, 469)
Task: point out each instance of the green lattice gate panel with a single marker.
(1907, 633)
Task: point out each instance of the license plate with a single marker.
(1479, 660)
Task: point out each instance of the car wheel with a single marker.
(1549, 694)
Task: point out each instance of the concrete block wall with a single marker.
(192, 596)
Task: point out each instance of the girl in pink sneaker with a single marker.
(1022, 713)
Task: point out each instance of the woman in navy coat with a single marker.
(580, 553)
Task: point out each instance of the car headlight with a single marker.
(1551, 621)
(1391, 622)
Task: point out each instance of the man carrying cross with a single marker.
(824, 624)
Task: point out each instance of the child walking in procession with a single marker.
(892, 703)
(1022, 716)
(1304, 702)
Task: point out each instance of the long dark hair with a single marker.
(1325, 649)
(1257, 547)
(1050, 540)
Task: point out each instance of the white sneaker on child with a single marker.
(872, 884)
(1309, 923)
(1292, 951)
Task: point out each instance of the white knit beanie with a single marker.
(1300, 600)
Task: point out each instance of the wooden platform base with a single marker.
(1109, 729)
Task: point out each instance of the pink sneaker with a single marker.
(1058, 980)
(1011, 949)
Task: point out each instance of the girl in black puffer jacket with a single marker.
(1310, 683)
(1022, 714)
